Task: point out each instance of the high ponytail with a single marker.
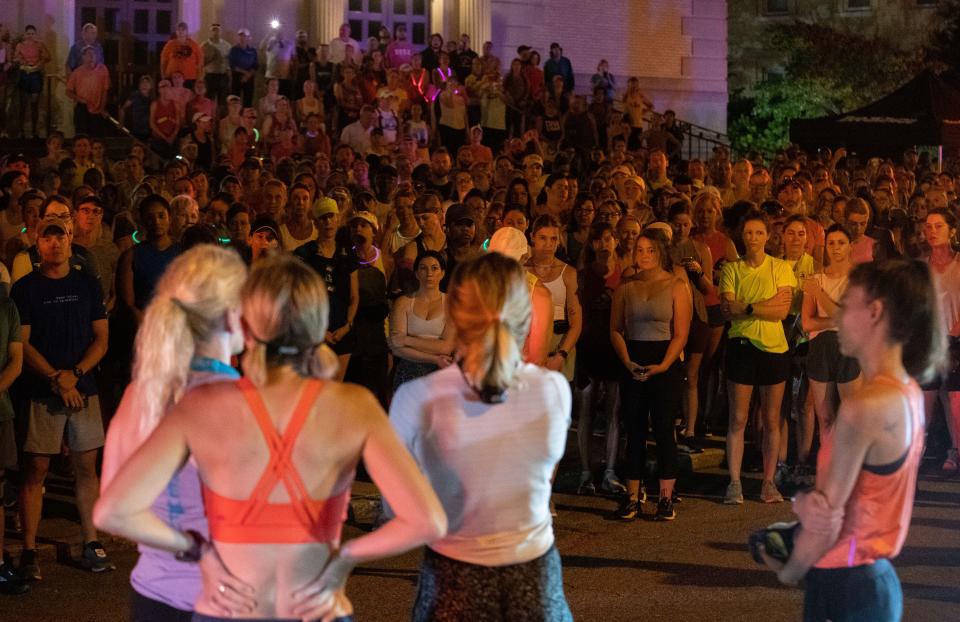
(912, 305)
(488, 302)
(189, 306)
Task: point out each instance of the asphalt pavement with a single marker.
(694, 568)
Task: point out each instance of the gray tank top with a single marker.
(648, 320)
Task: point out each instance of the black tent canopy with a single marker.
(924, 111)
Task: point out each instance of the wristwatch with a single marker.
(78, 372)
(749, 309)
(193, 554)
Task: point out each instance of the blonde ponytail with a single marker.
(285, 307)
(190, 304)
(489, 305)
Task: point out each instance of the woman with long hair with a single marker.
(578, 230)
(857, 518)
(940, 232)
(597, 368)
(831, 374)
(649, 323)
(488, 432)
(420, 337)
(276, 488)
(189, 332)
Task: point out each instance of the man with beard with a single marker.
(440, 166)
(461, 229)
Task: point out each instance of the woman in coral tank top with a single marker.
(857, 519)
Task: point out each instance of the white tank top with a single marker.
(558, 292)
(419, 327)
(833, 287)
(948, 288)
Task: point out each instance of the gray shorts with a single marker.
(8, 446)
(49, 418)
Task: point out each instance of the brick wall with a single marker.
(677, 48)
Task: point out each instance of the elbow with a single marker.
(106, 517)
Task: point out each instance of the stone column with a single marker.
(58, 30)
(475, 20)
(326, 18)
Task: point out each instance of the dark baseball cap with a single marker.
(458, 212)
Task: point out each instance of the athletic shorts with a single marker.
(699, 337)
(49, 421)
(8, 445)
(31, 82)
(449, 590)
(869, 592)
(825, 363)
(748, 365)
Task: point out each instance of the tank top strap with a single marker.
(279, 468)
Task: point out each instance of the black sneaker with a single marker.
(689, 445)
(94, 558)
(665, 510)
(675, 497)
(629, 510)
(10, 581)
(29, 566)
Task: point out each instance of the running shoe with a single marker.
(612, 484)
(95, 559)
(952, 463)
(734, 494)
(586, 486)
(675, 497)
(11, 583)
(629, 510)
(769, 493)
(665, 510)
(689, 445)
(29, 566)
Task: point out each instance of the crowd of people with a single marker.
(458, 243)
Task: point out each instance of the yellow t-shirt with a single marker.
(752, 285)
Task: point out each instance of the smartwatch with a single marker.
(78, 372)
(749, 309)
(192, 555)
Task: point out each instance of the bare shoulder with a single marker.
(871, 405)
(358, 403)
(210, 399)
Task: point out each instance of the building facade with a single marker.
(678, 48)
(906, 23)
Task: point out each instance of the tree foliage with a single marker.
(826, 71)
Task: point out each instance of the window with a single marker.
(859, 5)
(776, 7)
(926, 3)
(366, 17)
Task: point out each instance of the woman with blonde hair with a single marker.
(189, 332)
(488, 432)
(276, 488)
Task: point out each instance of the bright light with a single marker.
(274, 23)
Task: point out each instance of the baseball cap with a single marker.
(623, 170)
(509, 242)
(324, 206)
(198, 116)
(636, 179)
(243, 31)
(51, 224)
(458, 212)
(367, 216)
(532, 158)
(662, 226)
(265, 223)
(233, 98)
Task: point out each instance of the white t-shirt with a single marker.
(338, 48)
(490, 464)
(357, 137)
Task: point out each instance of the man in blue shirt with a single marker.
(243, 66)
(88, 37)
(558, 65)
(64, 333)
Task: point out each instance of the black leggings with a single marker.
(654, 402)
(143, 609)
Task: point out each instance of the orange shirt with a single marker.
(877, 514)
(187, 58)
(90, 86)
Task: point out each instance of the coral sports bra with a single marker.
(256, 520)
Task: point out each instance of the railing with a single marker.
(699, 142)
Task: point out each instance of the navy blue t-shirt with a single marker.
(60, 314)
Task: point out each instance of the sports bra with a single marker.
(256, 520)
